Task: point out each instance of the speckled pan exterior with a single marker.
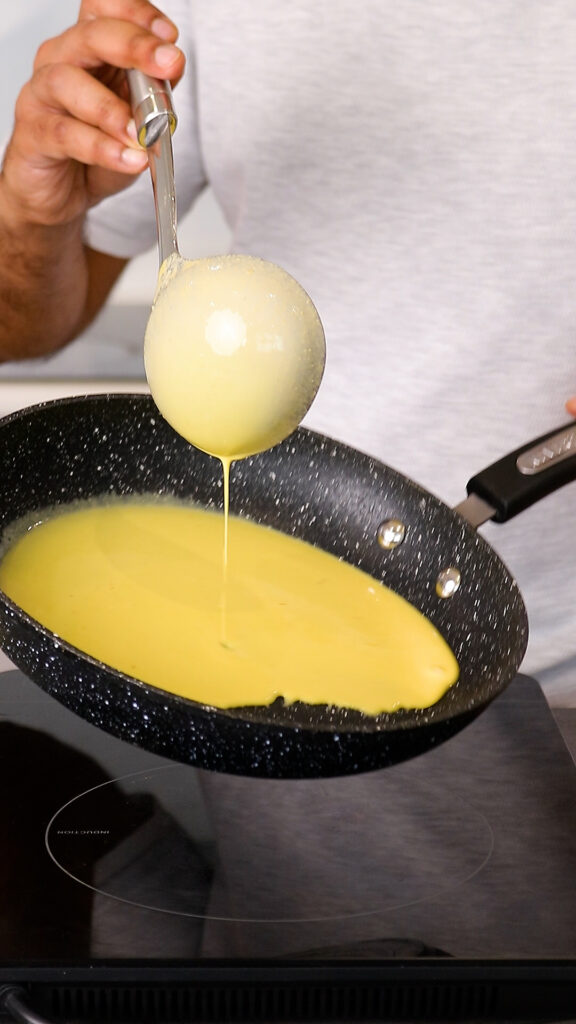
(310, 487)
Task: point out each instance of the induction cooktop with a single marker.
(134, 888)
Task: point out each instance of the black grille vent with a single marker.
(111, 1004)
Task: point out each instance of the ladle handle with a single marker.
(151, 101)
(155, 122)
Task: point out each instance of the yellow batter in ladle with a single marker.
(234, 352)
(234, 348)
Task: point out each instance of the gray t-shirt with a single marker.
(409, 163)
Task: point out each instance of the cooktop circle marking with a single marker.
(197, 844)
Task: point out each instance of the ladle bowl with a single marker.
(234, 348)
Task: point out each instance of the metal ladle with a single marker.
(234, 327)
(155, 122)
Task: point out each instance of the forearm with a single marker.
(43, 285)
(73, 144)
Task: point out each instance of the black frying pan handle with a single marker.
(528, 474)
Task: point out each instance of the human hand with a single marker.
(73, 142)
(571, 406)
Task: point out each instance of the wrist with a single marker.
(21, 224)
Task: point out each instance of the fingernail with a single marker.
(136, 159)
(167, 55)
(131, 130)
(164, 29)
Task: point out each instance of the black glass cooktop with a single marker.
(444, 887)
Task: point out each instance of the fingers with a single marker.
(76, 104)
(66, 89)
(71, 91)
(65, 113)
(72, 143)
(95, 43)
(140, 12)
(571, 406)
(91, 147)
(66, 138)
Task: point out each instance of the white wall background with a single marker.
(112, 347)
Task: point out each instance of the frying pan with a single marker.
(322, 492)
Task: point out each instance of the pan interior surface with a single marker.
(142, 585)
(308, 487)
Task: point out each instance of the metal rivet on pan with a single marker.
(391, 533)
(448, 582)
